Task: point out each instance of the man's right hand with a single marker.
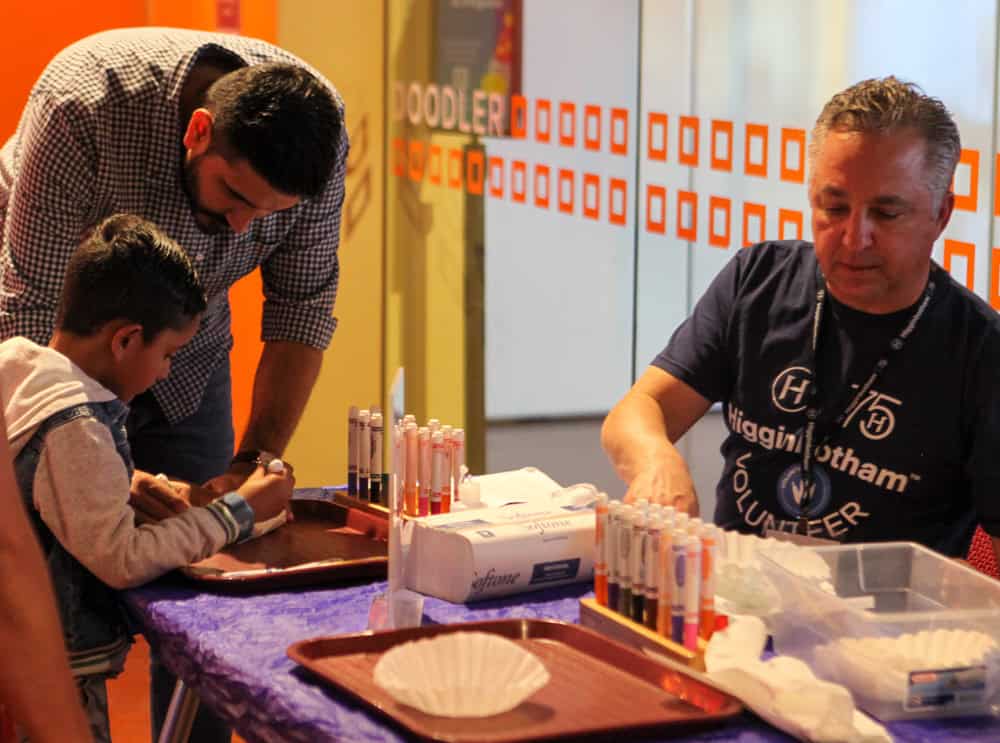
(266, 493)
(659, 484)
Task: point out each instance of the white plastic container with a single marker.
(911, 633)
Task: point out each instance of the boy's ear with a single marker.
(125, 339)
(198, 135)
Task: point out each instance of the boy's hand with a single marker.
(230, 480)
(267, 493)
(154, 499)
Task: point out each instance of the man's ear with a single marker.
(198, 136)
(125, 339)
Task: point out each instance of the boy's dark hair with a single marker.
(128, 269)
(283, 120)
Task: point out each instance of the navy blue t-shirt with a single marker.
(920, 458)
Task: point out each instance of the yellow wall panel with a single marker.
(344, 40)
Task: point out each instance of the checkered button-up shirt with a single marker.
(101, 134)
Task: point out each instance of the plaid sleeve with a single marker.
(48, 214)
(300, 278)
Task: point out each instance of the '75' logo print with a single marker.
(874, 415)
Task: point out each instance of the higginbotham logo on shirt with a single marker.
(788, 391)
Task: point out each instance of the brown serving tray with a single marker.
(598, 687)
(327, 542)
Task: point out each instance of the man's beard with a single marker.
(209, 222)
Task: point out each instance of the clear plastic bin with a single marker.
(862, 629)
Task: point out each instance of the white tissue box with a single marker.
(910, 632)
(544, 541)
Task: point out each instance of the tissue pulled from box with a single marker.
(783, 690)
(461, 674)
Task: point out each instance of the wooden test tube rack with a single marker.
(612, 624)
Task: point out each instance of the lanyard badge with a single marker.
(813, 438)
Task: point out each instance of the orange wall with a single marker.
(32, 33)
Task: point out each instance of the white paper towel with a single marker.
(783, 690)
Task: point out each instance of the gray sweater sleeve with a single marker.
(81, 490)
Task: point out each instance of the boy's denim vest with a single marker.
(92, 616)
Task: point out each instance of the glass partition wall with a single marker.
(566, 177)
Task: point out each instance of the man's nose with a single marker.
(858, 231)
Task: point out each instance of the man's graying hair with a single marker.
(890, 105)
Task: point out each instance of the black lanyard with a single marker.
(811, 441)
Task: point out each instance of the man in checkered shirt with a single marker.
(237, 150)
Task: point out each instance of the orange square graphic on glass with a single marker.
(656, 127)
(434, 168)
(968, 202)
(758, 212)
(454, 168)
(496, 176)
(591, 195)
(685, 156)
(518, 117)
(755, 132)
(793, 140)
(543, 113)
(543, 176)
(565, 187)
(399, 157)
(656, 195)
(567, 123)
(592, 123)
(721, 161)
(789, 218)
(687, 231)
(724, 205)
(619, 131)
(518, 175)
(474, 174)
(617, 194)
(416, 160)
(953, 248)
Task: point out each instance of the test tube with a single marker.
(412, 447)
(457, 457)
(666, 576)
(377, 474)
(611, 548)
(638, 553)
(654, 527)
(364, 453)
(425, 475)
(706, 618)
(601, 549)
(692, 589)
(451, 490)
(437, 472)
(625, 561)
(679, 547)
(352, 449)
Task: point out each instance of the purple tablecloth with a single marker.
(231, 650)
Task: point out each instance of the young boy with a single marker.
(129, 302)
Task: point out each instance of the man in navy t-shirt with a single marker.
(858, 379)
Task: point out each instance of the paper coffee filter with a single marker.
(879, 666)
(461, 674)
